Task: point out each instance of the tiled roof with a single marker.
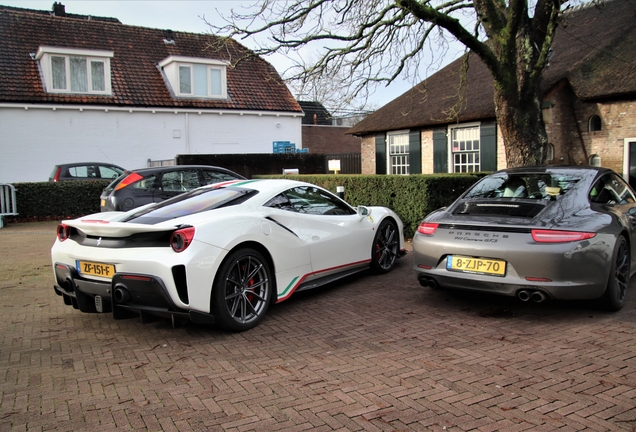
(593, 49)
(136, 80)
(315, 113)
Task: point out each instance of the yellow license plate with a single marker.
(476, 265)
(95, 269)
(103, 202)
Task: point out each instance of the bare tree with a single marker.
(360, 44)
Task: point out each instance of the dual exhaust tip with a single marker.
(523, 295)
(535, 296)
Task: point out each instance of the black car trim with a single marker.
(152, 239)
(280, 225)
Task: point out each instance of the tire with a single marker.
(242, 290)
(614, 297)
(384, 251)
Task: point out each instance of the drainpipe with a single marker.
(187, 134)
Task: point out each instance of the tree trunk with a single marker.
(522, 129)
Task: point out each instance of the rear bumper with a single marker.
(555, 290)
(126, 296)
(565, 271)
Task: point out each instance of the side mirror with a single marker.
(363, 211)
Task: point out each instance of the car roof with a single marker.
(548, 168)
(87, 163)
(263, 185)
(160, 169)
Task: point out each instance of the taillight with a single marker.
(556, 236)
(128, 180)
(181, 239)
(56, 177)
(427, 228)
(63, 232)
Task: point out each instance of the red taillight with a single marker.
(130, 179)
(56, 177)
(63, 232)
(556, 236)
(427, 228)
(181, 239)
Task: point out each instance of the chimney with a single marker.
(59, 9)
(169, 39)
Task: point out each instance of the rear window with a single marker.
(197, 201)
(538, 186)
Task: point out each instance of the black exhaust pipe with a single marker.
(428, 282)
(121, 295)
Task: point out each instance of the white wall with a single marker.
(33, 140)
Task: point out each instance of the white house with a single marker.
(76, 88)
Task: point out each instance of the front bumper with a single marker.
(125, 296)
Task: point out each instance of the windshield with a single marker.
(540, 186)
(197, 201)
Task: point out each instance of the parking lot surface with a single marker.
(378, 353)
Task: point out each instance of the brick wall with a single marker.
(329, 140)
(567, 127)
(368, 154)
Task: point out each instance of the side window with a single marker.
(81, 171)
(210, 177)
(280, 202)
(314, 201)
(180, 181)
(610, 190)
(146, 183)
(107, 172)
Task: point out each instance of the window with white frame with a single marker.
(196, 77)
(398, 146)
(465, 143)
(69, 70)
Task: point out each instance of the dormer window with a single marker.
(69, 70)
(192, 77)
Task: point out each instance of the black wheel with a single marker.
(385, 247)
(242, 290)
(619, 276)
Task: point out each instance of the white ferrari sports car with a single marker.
(220, 253)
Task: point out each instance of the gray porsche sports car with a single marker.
(562, 232)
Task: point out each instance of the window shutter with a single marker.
(488, 142)
(440, 151)
(415, 152)
(380, 154)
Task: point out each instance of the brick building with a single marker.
(589, 106)
(320, 133)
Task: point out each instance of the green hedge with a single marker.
(60, 200)
(412, 197)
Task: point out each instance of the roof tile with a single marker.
(136, 80)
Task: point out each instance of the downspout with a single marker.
(187, 134)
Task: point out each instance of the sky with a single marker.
(181, 15)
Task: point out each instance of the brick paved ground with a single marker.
(373, 353)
